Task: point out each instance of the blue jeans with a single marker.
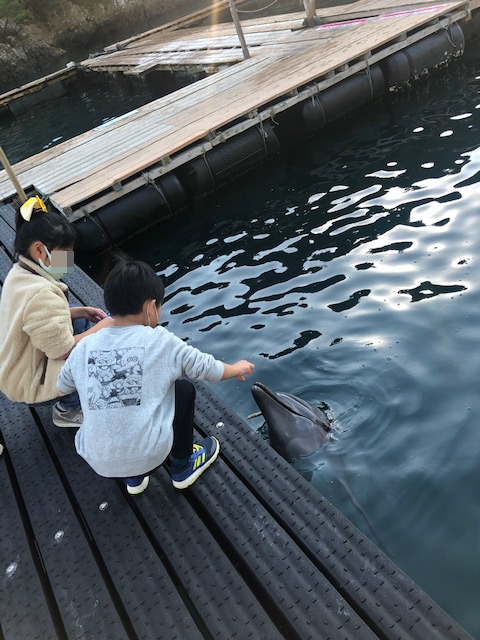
(70, 402)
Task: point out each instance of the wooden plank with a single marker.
(219, 30)
(195, 58)
(201, 14)
(205, 41)
(266, 86)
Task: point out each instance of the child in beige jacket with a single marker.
(38, 328)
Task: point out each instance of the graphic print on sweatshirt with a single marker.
(115, 378)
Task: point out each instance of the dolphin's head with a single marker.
(296, 428)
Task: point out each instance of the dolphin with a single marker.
(296, 428)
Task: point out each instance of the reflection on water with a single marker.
(347, 270)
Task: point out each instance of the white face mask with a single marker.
(158, 317)
(61, 263)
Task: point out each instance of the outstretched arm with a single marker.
(238, 370)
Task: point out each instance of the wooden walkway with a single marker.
(250, 551)
(84, 174)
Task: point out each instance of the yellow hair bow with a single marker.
(31, 205)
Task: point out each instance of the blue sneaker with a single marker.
(202, 457)
(136, 485)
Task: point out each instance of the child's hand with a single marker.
(243, 368)
(238, 370)
(104, 322)
(94, 315)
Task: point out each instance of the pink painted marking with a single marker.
(386, 16)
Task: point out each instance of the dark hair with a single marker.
(128, 285)
(53, 229)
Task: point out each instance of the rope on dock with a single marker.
(257, 10)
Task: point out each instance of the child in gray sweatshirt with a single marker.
(137, 408)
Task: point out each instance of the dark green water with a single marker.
(63, 114)
(347, 270)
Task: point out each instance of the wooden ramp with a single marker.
(84, 174)
(250, 551)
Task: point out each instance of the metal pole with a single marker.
(12, 176)
(311, 12)
(238, 27)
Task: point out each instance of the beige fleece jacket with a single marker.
(35, 331)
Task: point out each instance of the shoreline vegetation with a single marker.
(38, 37)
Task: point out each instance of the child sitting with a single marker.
(137, 410)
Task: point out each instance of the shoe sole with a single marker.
(66, 423)
(133, 491)
(184, 484)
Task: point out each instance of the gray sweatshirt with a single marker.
(125, 377)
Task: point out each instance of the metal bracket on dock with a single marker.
(311, 91)
(211, 135)
(221, 137)
(216, 137)
(166, 160)
(151, 183)
(117, 186)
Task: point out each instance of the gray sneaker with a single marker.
(66, 417)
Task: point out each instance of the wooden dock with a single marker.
(82, 175)
(250, 551)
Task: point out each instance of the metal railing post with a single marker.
(310, 9)
(4, 160)
(238, 27)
